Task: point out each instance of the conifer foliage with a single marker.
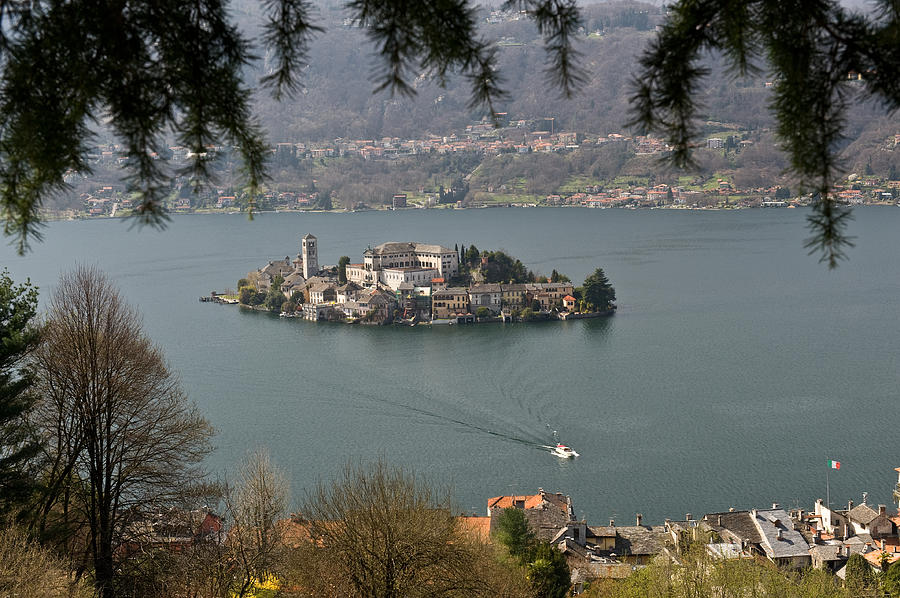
(148, 69)
(812, 48)
(19, 335)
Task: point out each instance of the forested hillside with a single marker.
(337, 108)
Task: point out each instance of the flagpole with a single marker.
(827, 488)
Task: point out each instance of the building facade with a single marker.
(412, 255)
(309, 252)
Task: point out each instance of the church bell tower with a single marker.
(310, 254)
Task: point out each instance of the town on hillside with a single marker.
(823, 537)
(418, 283)
(478, 182)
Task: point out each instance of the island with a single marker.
(410, 283)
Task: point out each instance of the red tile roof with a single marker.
(503, 502)
(479, 527)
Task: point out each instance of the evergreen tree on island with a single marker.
(597, 292)
(343, 262)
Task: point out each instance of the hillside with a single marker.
(337, 109)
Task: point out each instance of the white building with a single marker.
(392, 264)
(418, 277)
(357, 273)
(407, 255)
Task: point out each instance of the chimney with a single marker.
(719, 520)
(638, 517)
(731, 509)
(817, 537)
(850, 505)
(778, 535)
(882, 509)
(775, 505)
(865, 498)
(612, 523)
(687, 516)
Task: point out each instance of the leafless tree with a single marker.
(379, 532)
(122, 437)
(256, 504)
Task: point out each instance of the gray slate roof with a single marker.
(791, 544)
(601, 531)
(826, 552)
(640, 539)
(863, 514)
(738, 523)
(395, 247)
(294, 278)
(859, 540)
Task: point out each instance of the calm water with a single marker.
(735, 367)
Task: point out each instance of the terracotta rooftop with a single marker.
(503, 502)
(875, 557)
(479, 527)
(533, 501)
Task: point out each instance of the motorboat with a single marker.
(564, 452)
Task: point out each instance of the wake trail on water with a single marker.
(524, 437)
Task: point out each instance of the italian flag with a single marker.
(834, 464)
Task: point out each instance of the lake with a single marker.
(734, 368)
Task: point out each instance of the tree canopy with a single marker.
(598, 292)
(379, 531)
(548, 572)
(513, 533)
(19, 335)
(150, 69)
(343, 262)
(811, 49)
(121, 435)
(891, 580)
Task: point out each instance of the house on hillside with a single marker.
(875, 522)
(173, 529)
(768, 532)
(545, 512)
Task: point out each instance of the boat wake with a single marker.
(507, 431)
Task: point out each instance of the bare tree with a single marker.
(380, 532)
(122, 436)
(256, 504)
